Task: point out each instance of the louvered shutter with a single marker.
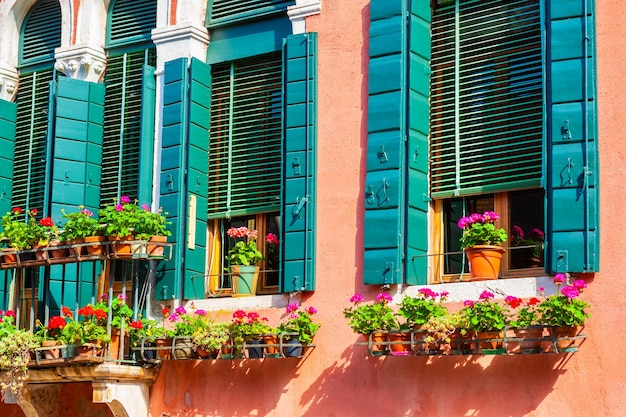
(123, 124)
(186, 98)
(146, 134)
(229, 11)
(299, 167)
(41, 33)
(31, 138)
(486, 105)
(131, 21)
(385, 181)
(245, 148)
(573, 202)
(8, 114)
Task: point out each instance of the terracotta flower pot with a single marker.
(484, 261)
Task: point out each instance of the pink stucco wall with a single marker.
(337, 379)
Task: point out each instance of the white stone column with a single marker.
(9, 80)
(302, 9)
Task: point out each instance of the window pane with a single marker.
(453, 210)
(526, 229)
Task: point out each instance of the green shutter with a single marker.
(79, 116)
(8, 114)
(123, 124)
(186, 98)
(78, 113)
(385, 199)
(222, 12)
(197, 175)
(417, 145)
(146, 138)
(173, 160)
(131, 21)
(31, 138)
(573, 201)
(299, 147)
(41, 33)
(245, 148)
(487, 97)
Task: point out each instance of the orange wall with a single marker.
(337, 379)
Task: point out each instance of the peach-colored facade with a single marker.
(337, 378)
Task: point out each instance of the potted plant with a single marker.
(243, 257)
(153, 227)
(81, 226)
(248, 329)
(487, 318)
(209, 340)
(482, 242)
(186, 324)
(16, 232)
(439, 331)
(525, 324)
(120, 221)
(299, 325)
(564, 311)
(372, 320)
(15, 346)
(419, 309)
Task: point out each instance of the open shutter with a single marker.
(299, 148)
(78, 113)
(197, 170)
(487, 97)
(77, 148)
(417, 146)
(573, 216)
(385, 217)
(8, 114)
(146, 135)
(186, 98)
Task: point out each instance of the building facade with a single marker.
(358, 133)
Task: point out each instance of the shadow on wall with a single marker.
(222, 387)
(431, 386)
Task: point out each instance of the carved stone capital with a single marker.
(9, 80)
(81, 62)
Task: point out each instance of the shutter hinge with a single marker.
(382, 155)
(566, 134)
(561, 261)
(388, 273)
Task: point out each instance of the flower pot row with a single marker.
(511, 341)
(181, 348)
(86, 249)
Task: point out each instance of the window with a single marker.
(471, 106)
(127, 141)
(486, 119)
(248, 125)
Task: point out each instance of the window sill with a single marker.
(246, 303)
(461, 291)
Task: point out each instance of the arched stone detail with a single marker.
(124, 399)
